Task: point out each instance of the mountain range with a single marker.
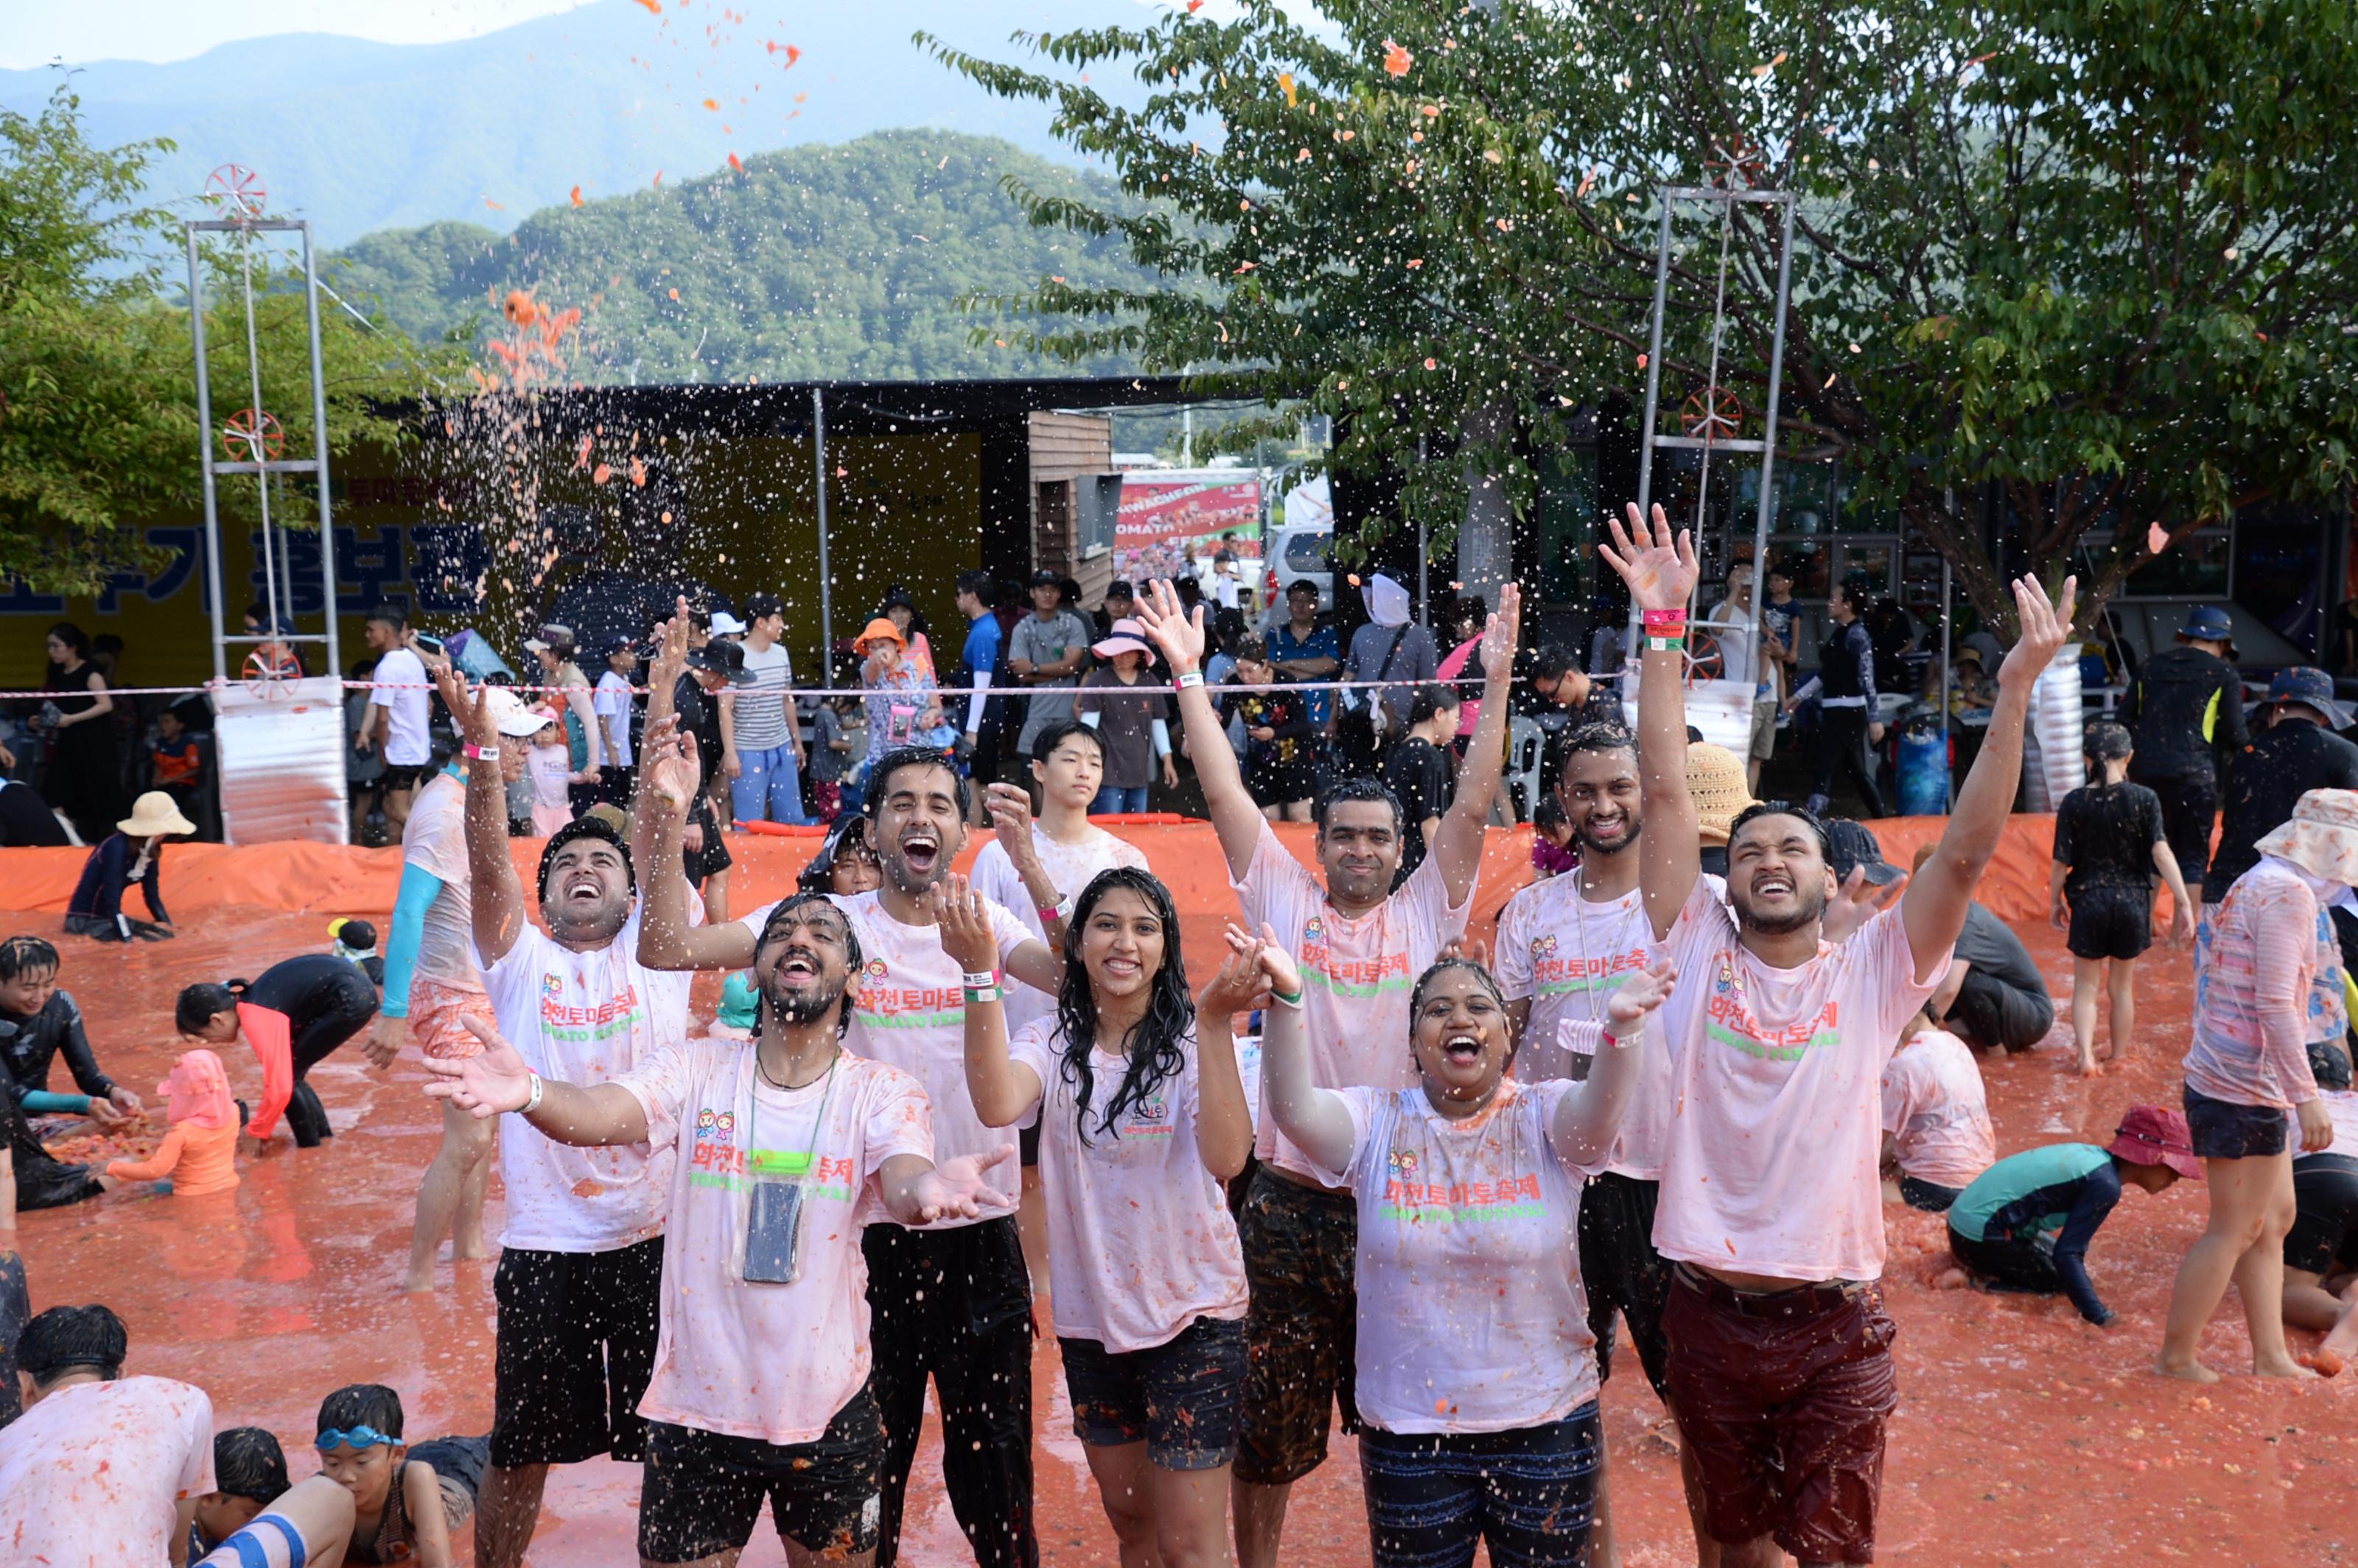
(605, 99)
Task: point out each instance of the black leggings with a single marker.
(2015, 1260)
(1843, 747)
(317, 1038)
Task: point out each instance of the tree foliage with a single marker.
(98, 415)
(2097, 254)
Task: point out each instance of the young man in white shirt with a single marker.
(397, 728)
(951, 1301)
(581, 1261)
(762, 1386)
(1770, 1208)
(612, 701)
(1361, 947)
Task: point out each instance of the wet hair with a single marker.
(72, 636)
(2329, 1061)
(2105, 741)
(853, 958)
(1594, 737)
(1429, 699)
(248, 1462)
(22, 956)
(1439, 967)
(819, 876)
(358, 935)
(1551, 663)
(1784, 808)
(1056, 735)
(72, 1338)
(197, 1004)
(901, 757)
(1153, 1056)
(578, 828)
(391, 616)
(361, 1404)
(1357, 787)
(980, 584)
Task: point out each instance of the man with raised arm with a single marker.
(1361, 947)
(582, 1257)
(951, 1301)
(783, 1147)
(1771, 1207)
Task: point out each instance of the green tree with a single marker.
(2100, 255)
(98, 418)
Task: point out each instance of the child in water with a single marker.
(406, 1501)
(199, 1155)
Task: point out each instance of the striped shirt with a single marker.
(761, 707)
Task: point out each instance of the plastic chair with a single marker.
(1526, 756)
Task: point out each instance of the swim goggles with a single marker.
(357, 1437)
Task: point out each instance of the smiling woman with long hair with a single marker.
(1140, 1123)
(1475, 1386)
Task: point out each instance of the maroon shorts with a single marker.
(1782, 1400)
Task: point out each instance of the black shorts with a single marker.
(577, 1345)
(1620, 1270)
(2324, 1235)
(1929, 1197)
(2111, 922)
(405, 776)
(701, 1492)
(1301, 1247)
(2190, 810)
(1183, 1397)
(714, 857)
(2225, 1130)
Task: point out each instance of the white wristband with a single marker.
(538, 1089)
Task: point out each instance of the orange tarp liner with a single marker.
(331, 880)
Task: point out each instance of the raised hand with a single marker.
(1658, 567)
(967, 933)
(1499, 633)
(1273, 960)
(958, 1188)
(473, 713)
(1010, 819)
(1473, 949)
(1166, 621)
(1240, 986)
(1855, 903)
(671, 648)
(486, 1085)
(2045, 627)
(1640, 993)
(668, 764)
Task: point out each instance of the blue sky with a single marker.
(36, 32)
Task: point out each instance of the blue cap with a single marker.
(2209, 623)
(2310, 687)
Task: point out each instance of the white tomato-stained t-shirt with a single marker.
(1140, 1240)
(1936, 1110)
(434, 839)
(400, 688)
(1776, 1145)
(1567, 956)
(96, 1473)
(911, 1014)
(1356, 973)
(583, 1018)
(770, 1362)
(1071, 867)
(1472, 1315)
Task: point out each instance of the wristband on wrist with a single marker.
(977, 995)
(1665, 644)
(1279, 997)
(1609, 1041)
(1186, 678)
(538, 1090)
(980, 977)
(482, 753)
(1658, 617)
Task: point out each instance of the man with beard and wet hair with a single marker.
(1770, 1205)
(1361, 947)
(581, 1260)
(950, 1299)
(762, 1386)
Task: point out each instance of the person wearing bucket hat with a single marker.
(1716, 781)
(134, 852)
(2270, 984)
(1134, 725)
(432, 985)
(2025, 1224)
(2108, 845)
(2295, 752)
(1046, 653)
(2185, 709)
(903, 708)
(1771, 1194)
(2321, 1250)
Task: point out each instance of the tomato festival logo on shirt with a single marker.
(1460, 1203)
(1149, 1118)
(1360, 979)
(715, 1161)
(1728, 1021)
(1551, 976)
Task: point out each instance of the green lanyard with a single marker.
(782, 1163)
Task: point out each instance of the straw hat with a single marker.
(154, 813)
(2323, 836)
(1715, 783)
